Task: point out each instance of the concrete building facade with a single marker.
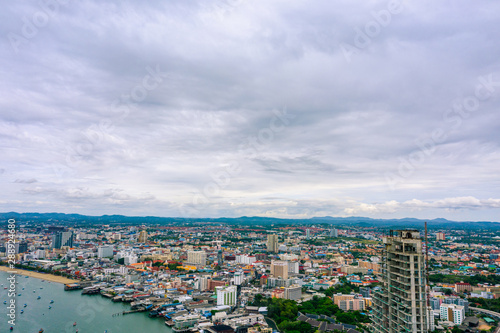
(400, 305)
(452, 312)
(226, 295)
(279, 269)
(272, 243)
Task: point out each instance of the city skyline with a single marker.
(222, 108)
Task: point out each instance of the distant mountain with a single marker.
(61, 218)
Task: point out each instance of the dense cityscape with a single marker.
(225, 277)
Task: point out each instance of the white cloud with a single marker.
(81, 116)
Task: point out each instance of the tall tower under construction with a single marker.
(401, 304)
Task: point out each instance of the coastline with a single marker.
(41, 276)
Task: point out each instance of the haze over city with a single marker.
(239, 108)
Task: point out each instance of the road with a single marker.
(490, 313)
(273, 325)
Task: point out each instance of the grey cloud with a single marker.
(26, 181)
(228, 64)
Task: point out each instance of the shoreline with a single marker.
(37, 275)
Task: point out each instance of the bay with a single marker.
(92, 313)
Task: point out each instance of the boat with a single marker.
(38, 297)
(22, 311)
(11, 328)
(153, 313)
(4, 302)
(74, 324)
(25, 305)
(51, 301)
(50, 307)
(18, 294)
(92, 290)
(41, 330)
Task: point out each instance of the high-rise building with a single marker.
(203, 283)
(220, 258)
(458, 301)
(279, 269)
(143, 236)
(272, 243)
(104, 251)
(334, 233)
(435, 303)
(21, 247)
(238, 278)
(400, 304)
(440, 236)
(226, 295)
(452, 312)
(308, 233)
(61, 239)
(365, 291)
(294, 292)
(197, 258)
(293, 267)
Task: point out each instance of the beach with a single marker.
(47, 277)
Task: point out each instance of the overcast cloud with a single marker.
(238, 107)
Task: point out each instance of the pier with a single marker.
(127, 312)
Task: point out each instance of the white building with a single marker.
(203, 283)
(128, 257)
(294, 292)
(197, 257)
(105, 251)
(245, 259)
(238, 278)
(452, 312)
(288, 256)
(482, 294)
(293, 267)
(226, 295)
(40, 254)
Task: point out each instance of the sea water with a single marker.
(91, 313)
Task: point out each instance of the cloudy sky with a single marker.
(236, 107)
